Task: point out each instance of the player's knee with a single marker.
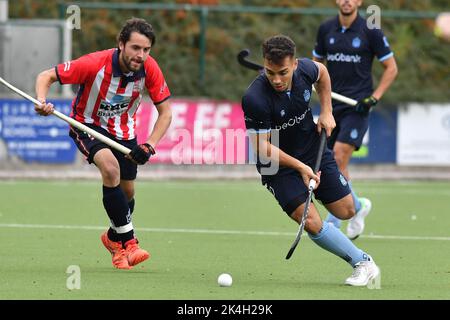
(313, 225)
(348, 212)
(111, 174)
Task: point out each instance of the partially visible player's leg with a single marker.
(353, 127)
(128, 173)
(342, 154)
(114, 199)
(334, 193)
(134, 253)
(113, 196)
(128, 187)
(331, 142)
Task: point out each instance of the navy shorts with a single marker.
(351, 127)
(290, 190)
(89, 146)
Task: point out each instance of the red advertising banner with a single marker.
(201, 132)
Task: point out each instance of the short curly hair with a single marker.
(278, 47)
(136, 25)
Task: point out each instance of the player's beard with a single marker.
(128, 64)
(348, 12)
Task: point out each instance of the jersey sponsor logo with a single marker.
(340, 57)
(282, 113)
(293, 121)
(111, 109)
(356, 43)
(331, 40)
(306, 95)
(67, 65)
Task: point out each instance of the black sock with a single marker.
(112, 234)
(131, 205)
(116, 205)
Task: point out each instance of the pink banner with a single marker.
(201, 132)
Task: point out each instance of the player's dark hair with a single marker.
(278, 47)
(136, 25)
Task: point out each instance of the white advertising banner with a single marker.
(424, 135)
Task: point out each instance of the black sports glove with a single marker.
(141, 153)
(365, 104)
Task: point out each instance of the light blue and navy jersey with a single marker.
(266, 110)
(349, 54)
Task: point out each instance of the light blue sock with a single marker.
(332, 219)
(355, 198)
(334, 241)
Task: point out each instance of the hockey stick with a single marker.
(311, 186)
(243, 61)
(71, 121)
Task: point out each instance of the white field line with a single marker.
(208, 231)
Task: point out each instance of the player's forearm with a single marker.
(43, 83)
(161, 125)
(270, 153)
(389, 75)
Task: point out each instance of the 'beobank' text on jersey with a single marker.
(289, 113)
(107, 97)
(349, 55)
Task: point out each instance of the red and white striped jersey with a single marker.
(107, 97)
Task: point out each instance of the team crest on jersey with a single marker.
(356, 43)
(307, 95)
(354, 134)
(282, 113)
(331, 40)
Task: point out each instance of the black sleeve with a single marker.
(379, 44)
(256, 113)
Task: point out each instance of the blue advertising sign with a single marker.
(380, 143)
(34, 138)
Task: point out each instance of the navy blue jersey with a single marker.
(349, 54)
(266, 110)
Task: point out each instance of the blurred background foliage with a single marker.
(423, 59)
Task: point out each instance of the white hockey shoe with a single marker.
(363, 273)
(355, 226)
